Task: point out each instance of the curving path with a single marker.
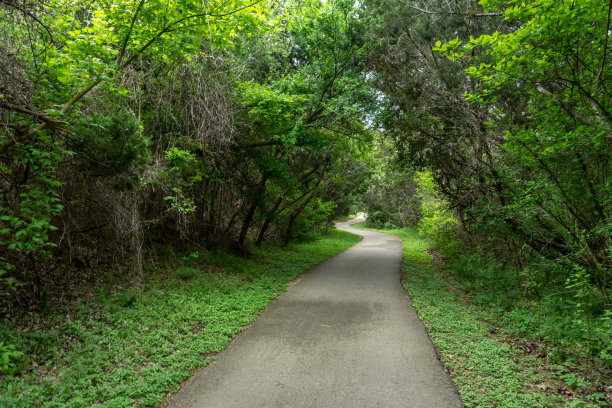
(345, 335)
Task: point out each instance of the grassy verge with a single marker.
(348, 217)
(131, 347)
(488, 368)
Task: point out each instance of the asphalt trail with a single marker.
(345, 335)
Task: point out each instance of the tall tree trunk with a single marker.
(292, 218)
(251, 211)
(296, 213)
(268, 221)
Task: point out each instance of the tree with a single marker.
(139, 123)
(545, 80)
(305, 118)
(71, 128)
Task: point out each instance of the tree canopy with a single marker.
(130, 129)
(129, 124)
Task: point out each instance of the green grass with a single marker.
(349, 217)
(487, 370)
(132, 347)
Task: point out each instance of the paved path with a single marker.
(345, 335)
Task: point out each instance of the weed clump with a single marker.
(187, 272)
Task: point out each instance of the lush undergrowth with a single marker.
(132, 347)
(539, 302)
(477, 342)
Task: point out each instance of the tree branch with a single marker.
(129, 32)
(565, 106)
(38, 115)
(603, 58)
(47, 122)
(91, 86)
(470, 13)
(32, 16)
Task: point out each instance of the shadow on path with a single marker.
(345, 335)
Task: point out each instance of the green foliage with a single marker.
(25, 225)
(306, 122)
(79, 81)
(276, 111)
(532, 51)
(391, 190)
(316, 213)
(570, 317)
(376, 220)
(182, 174)
(437, 222)
(511, 117)
(8, 355)
(93, 46)
(207, 114)
(187, 272)
(378, 224)
(37, 205)
(389, 225)
(544, 88)
(378, 216)
(133, 348)
(111, 143)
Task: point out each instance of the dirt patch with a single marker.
(534, 347)
(438, 257)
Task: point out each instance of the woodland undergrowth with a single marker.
(131, 347)
(501, 349)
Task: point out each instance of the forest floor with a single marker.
(130, 344)
(490, 369)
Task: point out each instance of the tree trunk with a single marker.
(251, 211)
(266, 224)
(296, 213)
(292, 218)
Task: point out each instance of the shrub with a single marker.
(111, 144)
(8, 355)
(437, 223)
(187, 272)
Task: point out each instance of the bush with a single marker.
(111, 144)
(313, 220)
(187, 272)
(8, 355)
(568, 315)
(437, 223)
(378, 215)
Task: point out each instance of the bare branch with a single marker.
(473, 13)
(38, 115)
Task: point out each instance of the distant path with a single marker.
(345, 335)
